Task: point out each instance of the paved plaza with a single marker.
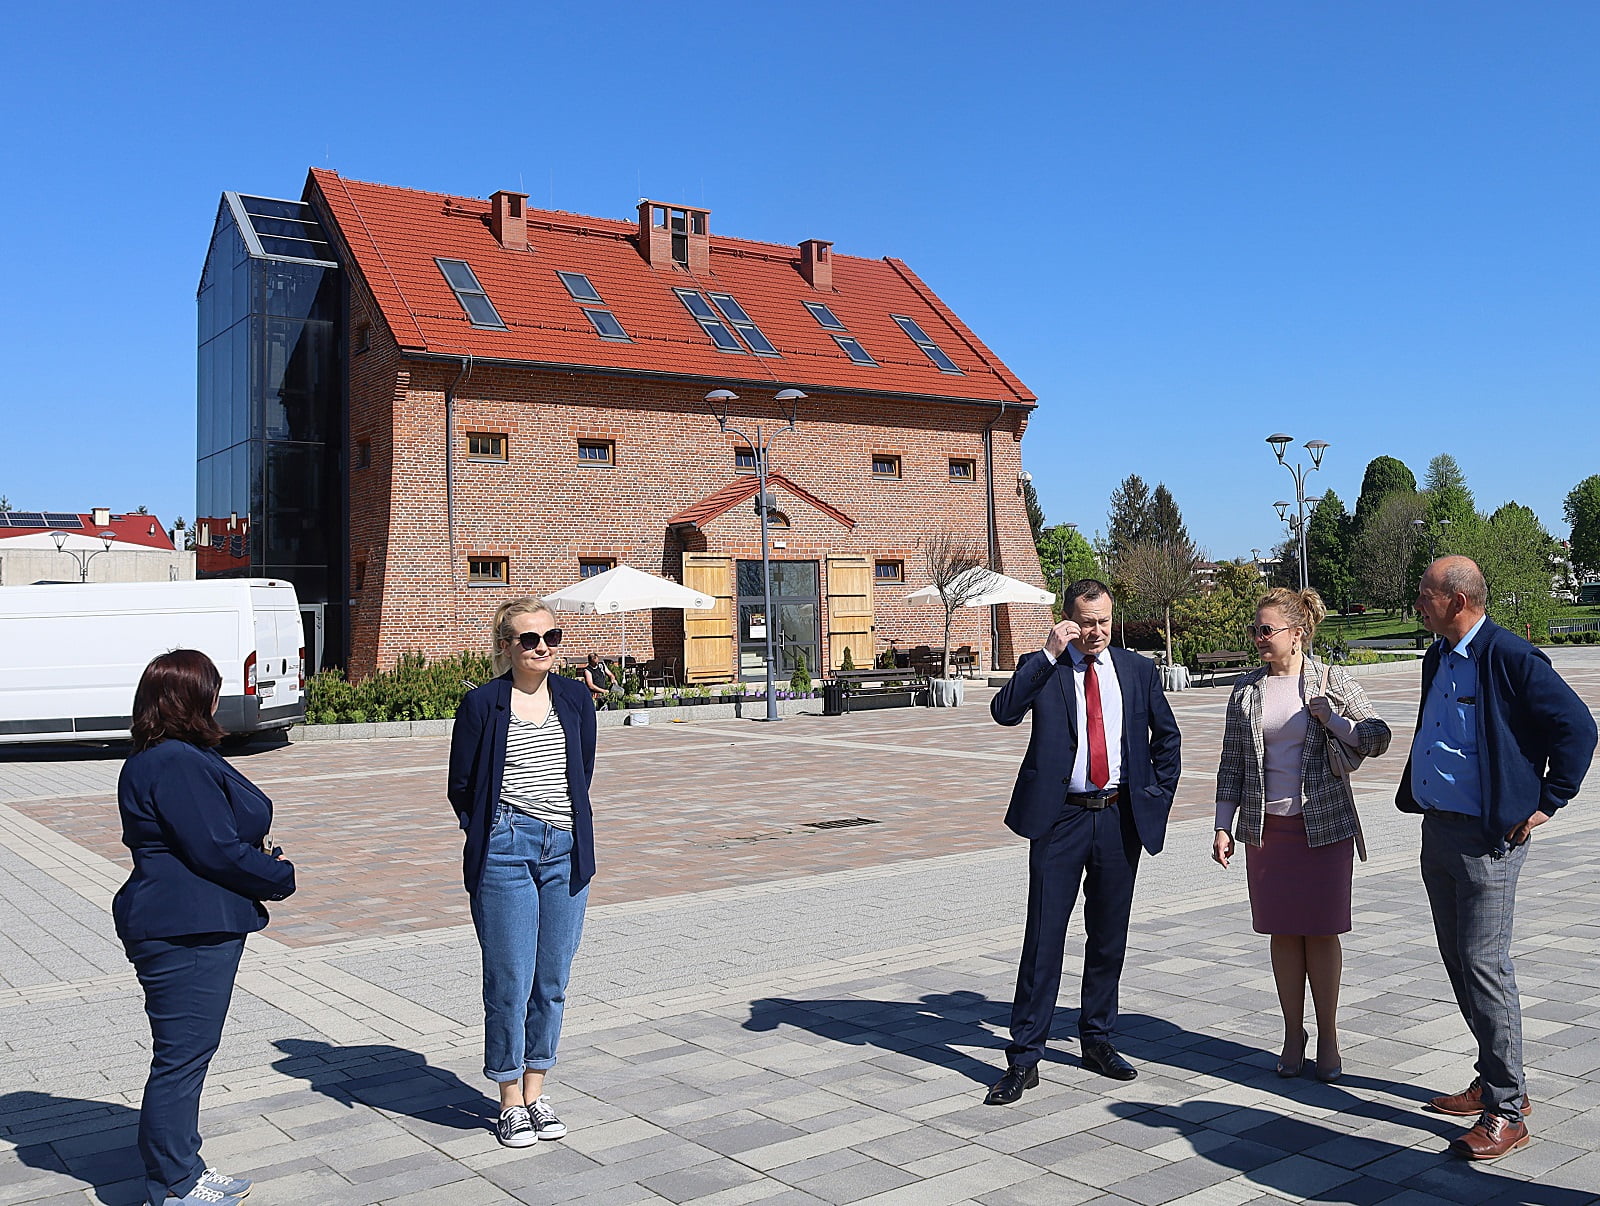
(767, 1011)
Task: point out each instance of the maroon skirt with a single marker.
(1296, 888)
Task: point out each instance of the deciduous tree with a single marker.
(1517, 563)
(952, 562)
(1384, 550)
(1582, 510)
(1161, 574)
(1065, 556)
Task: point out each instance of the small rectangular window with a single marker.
(854, 350)
(885, 466)
(744, 458)
(596, 452)
(824, 316)
(463, 281)
(589, 567)
(744, 324)
(363, 339)
(929, 349)
(710, 322)
(486, 446)
(889, 571)
(363, 454)
(579, 287)
(488, 571)
(606, 325)
(963, 469)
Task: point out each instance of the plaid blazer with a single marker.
(1330, 809)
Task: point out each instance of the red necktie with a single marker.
(1099, 764)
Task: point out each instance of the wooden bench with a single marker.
(1210, 663)
(876, 682)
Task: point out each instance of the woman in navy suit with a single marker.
(521, 759)
(197, 829)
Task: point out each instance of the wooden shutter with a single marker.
(850, 611)
(708, 645)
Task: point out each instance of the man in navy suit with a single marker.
(1095, 787)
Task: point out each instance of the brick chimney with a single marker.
(675, 235)
(816, 263)
(508, 219)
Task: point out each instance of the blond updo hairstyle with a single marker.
(502, 632)
(1302, 609)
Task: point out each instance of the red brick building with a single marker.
(522, 397)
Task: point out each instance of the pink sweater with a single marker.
(1283, 734)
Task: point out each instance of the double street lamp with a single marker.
(1433, 543)
(719, 401)
(1303, 505)
(83, 556)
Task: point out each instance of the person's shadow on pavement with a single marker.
(96, 1137)
(386, 1078)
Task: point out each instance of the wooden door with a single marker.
(850, 611)
(708, 635)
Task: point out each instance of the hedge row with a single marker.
(1575, 638)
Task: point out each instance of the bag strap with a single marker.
(1322, 689)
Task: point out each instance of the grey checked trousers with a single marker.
(1473, 896)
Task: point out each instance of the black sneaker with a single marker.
(515, 1128)
(545, 1122)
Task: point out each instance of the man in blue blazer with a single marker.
(1502, 743)
(1095, 788)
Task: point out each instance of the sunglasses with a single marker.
(531, 640)
(1265, 631)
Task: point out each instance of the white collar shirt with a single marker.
(1110, 716)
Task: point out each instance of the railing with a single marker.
(1580, 626)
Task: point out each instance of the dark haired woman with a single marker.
(521, 759)
(197, 829)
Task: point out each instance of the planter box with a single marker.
(871, 701)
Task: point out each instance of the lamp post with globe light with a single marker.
(1303, 505)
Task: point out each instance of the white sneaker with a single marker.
(238, 1186)
(545, 1122)
(515, 1128)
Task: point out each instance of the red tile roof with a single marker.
(394, 234)
(145, 530)
(741, 488)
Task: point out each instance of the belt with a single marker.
(1094, 800)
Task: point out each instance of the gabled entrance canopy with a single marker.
(741, 489)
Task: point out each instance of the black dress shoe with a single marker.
(1100, 1056)
(1008, 1088)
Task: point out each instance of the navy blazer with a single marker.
(1151, 743)
(1535, 736)
(194, 825)
(478, 764)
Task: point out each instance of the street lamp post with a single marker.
(1065, 529)
(83, 557)
(1303, 505)
(719, 400)
(1433, 544)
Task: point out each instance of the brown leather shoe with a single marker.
(1494, 1136)
(1469, 1102)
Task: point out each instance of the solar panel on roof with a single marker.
(60, 519)
(27, 519)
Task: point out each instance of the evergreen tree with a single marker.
(1384, 476)
(1444, 473)
(1166, 521)
(1328, 550)
(1030, 499)
(1451, 522)
(1582, 511)
(1131, 520)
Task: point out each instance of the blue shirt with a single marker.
(1444, 753)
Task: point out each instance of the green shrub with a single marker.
(415, 689)
(849, 661)
(800, 680)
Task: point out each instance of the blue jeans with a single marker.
(188, 982)
(529, 919)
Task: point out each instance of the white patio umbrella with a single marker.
(991, 588)
(622, 589)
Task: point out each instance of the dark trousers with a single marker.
(188, 982)
(1099, 849)
(1473, 896)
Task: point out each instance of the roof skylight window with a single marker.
(824, 316)
(929, 349)
(744, 324)
(709, 320)
(464, 283)
(606, 325)
(852, 349)
(579, 288)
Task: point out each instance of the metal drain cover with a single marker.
(847, 823)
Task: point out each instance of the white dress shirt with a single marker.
(1110, 715)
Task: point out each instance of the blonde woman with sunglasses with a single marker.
(521, 760)
(1296, 817)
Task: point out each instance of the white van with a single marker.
(71, 655)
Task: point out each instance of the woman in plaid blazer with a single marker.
(1277, 794)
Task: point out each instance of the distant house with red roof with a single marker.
(98, 545)
(416, 405)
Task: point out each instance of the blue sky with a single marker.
(1185, 226)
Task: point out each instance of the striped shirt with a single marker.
(535, 781)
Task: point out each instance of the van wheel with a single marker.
(236, 741)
